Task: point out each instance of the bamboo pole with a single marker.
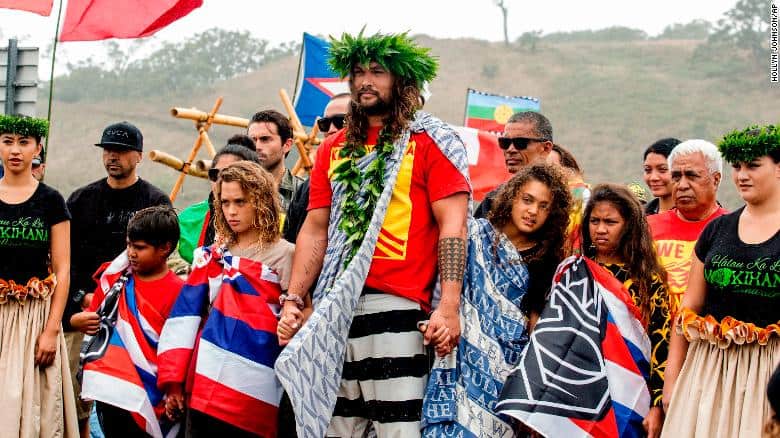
(203, 127)
(298, 169)
(209, 147)
(201, 116)
(303, 154)
(175, 163)
(301, 136)
(203, 165)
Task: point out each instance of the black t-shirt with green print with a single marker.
(743, 280)
(25, 234)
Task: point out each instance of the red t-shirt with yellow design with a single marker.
(405, 259)
(674, 242)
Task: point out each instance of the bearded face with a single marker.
(372, 89)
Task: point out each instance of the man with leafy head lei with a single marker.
(386, 225)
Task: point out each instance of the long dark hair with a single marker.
(406, 100)
(552, 235)
(635, 248)
(567, 159)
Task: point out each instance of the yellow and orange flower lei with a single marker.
(35, 288)
(722, 333)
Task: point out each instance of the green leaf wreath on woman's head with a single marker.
(23, 125)
(743, 146)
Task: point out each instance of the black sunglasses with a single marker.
(519, 142)
(36, 163)
(324, 122)
(214, 174)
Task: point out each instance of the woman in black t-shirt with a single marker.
(730, 317)
(35, 388)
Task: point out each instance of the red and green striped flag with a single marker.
(489, 112)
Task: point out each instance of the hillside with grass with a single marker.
(607, 101)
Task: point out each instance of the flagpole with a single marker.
(51, 81)
(466, 106)
(298, 76)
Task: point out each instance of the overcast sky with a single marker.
(285, 20)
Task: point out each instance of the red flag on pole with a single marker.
(486, 160)
(41, 7)
(91, 20)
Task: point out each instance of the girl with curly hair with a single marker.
(535, 232)
(226, 315)
(615, 234)
(512, 257)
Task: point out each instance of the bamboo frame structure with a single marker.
(203, 127)
(203, 120)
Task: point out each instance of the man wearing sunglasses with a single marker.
(527, 139)
(335, 112)
(330, 123)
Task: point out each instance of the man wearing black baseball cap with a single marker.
(100, 213)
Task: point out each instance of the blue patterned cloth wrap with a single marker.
(464, 386)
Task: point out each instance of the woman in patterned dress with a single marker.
(616, 235)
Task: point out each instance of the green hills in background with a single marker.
(607, 102)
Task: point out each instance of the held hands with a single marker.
(442, 330)
(653, 422)
(46, 348)
(174, 402)
(86, 322)
(290, 322)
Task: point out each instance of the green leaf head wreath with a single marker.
(397, 53)
(743, 146)
(23, 125)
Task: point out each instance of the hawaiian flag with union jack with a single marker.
(226, 317)
(584, 371)
(120, 361)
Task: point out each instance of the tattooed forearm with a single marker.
(452, 259)
(315, 260)
(314, 255)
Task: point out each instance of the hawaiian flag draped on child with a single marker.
(226, 318)
(123, 371)
(584, 371)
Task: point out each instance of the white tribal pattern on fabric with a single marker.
(310, 367)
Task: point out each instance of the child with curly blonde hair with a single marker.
(221, 337)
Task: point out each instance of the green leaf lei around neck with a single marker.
(358, 208)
